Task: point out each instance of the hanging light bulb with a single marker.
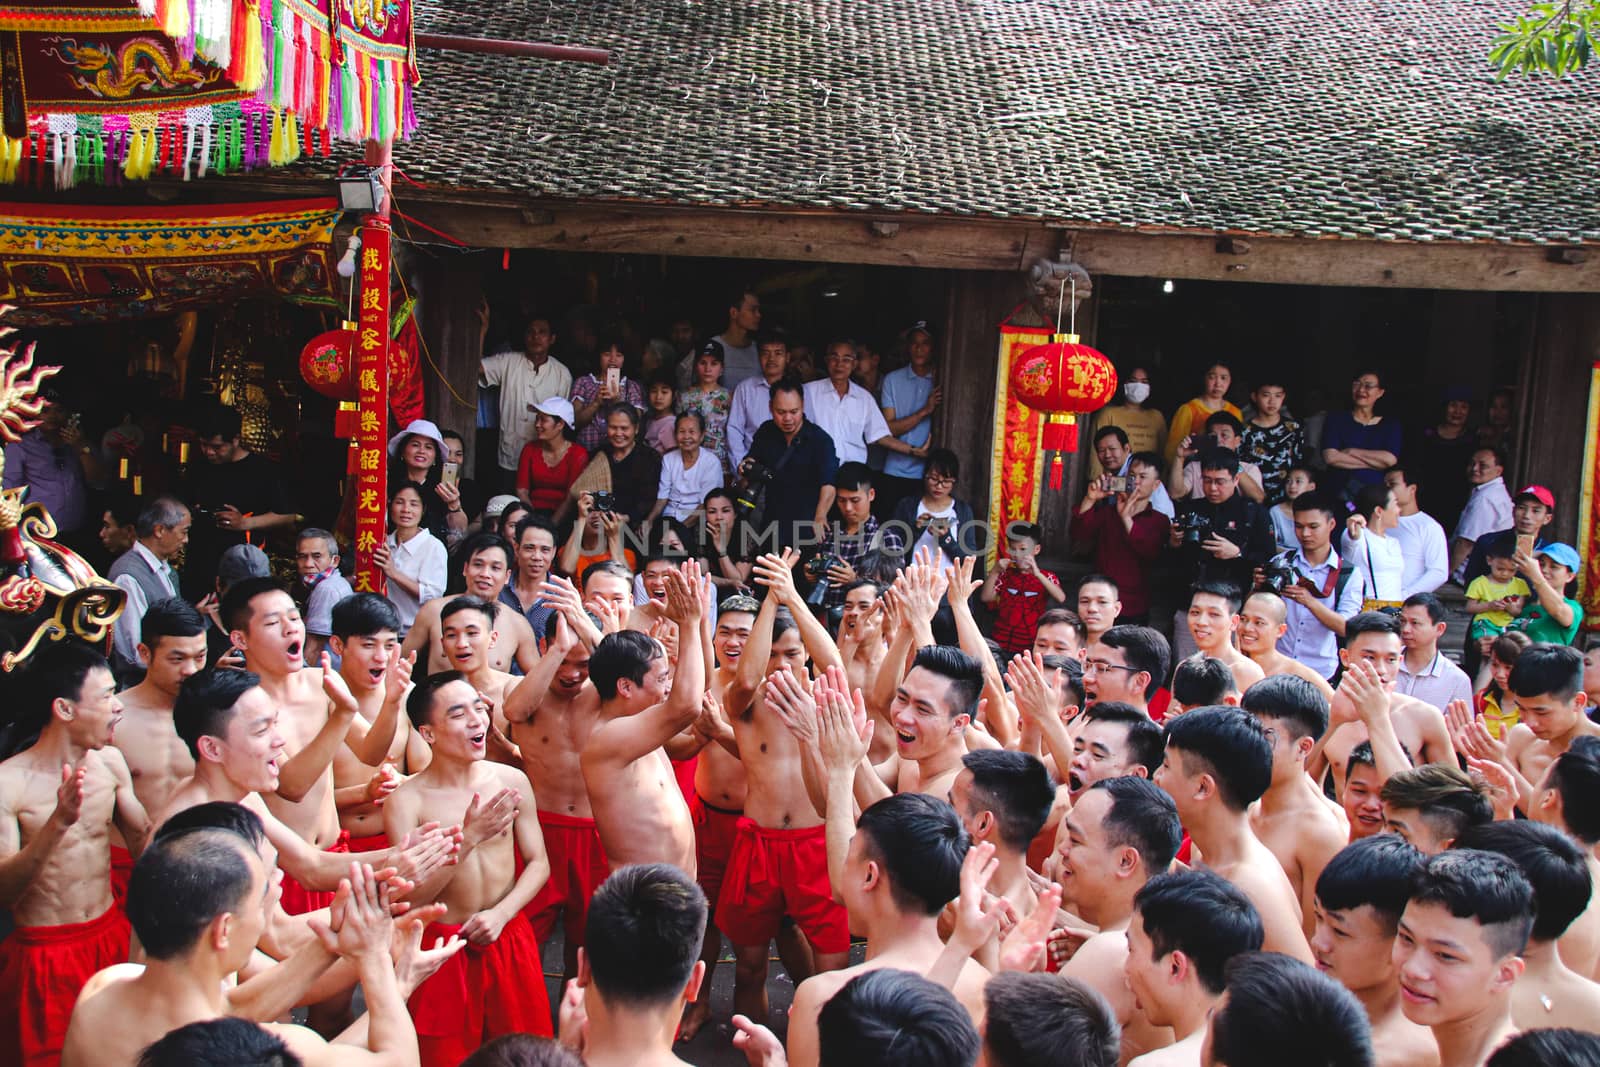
(1166, 286)
(347, 262)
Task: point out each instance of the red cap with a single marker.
(1541, 494)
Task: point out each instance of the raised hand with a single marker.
(1365, 691)
(842, 742)
(776, 573)
(1502, 785)
(573, 1018)
(424, 851)
(380, 785)
(713, 725)
(414, 964)
(334, 687)
(1036, 698)
(1458, 719)
(397, 679)
(485, 822)
(366, 928)
(683, 595)
(69, 794)
(977, 910)
(959, 580)
(1023, 948)
(794, 702)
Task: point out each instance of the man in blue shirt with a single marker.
(909, 398)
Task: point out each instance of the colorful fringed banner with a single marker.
(109, 90)
(1589, 516)
(65, 264)
(1016, 461)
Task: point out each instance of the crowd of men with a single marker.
(1041, 839)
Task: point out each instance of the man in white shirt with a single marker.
(1488, 508)
(145, 573)
(741, 360)
(848, 412)
(1321, 598)
(1424, 671)
(1422, 542)
(526, 379)
(752, 400)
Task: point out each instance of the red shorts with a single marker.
(297, 899)
(577, 867)
(42, 970)
(121, 871)
(773, 873)
(683, 771)
(479, 994)
(715, 830)
(374, 843)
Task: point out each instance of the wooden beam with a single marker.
(1377, 264)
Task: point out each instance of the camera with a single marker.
(1277, 576)
(817, 571)
(751, 500)
(604, 501)
(1195, 526)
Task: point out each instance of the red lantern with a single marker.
(1064, 379)
(327, 363)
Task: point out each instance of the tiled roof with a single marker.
(1323, 118)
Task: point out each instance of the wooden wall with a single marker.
(451, 289)
(1554, 419)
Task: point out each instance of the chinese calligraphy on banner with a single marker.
(372, 387)
(1016, 459)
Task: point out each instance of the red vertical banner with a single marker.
(372, 404)
(1015, 460)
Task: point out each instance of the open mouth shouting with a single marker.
(294, 652)
(479, 740)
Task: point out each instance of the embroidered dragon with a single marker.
(137, 67)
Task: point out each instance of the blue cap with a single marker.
(1565, 555)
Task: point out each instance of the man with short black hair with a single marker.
(1222, 535)
(738, 338)
(908, 399)
(1099, 605)
(1047, 1020)
(1533, 509)
(1425, 673)
(1117, 740)
(1488, 509)
(931, 709)
(862, 547)
(1423, 546)
(535, 545)
(1219, 762)
(1186, 926)
(526, 377)
(1459, 951)
(1200, 681)
(1120, 833)
(1213, 618)
(487, 564)
(751, 403)
(1127, 664)
(145, 573)
(1430, 806)
(1300, 826)
(1362, 795)
(799, 462)
(1126, 518)
(1360, 896)
(849, 414)
(1323, 590)
(895, 1018)
(236, 493)
(1549, 993)
(1569, 799)
(1278, 1011)
(1060, 633)
(1547, 683)
(1004, 798)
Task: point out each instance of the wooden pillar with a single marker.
(1553, 416)
(448, 318)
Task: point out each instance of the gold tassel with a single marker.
(255, 52)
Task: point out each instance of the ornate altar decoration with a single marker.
(72, 264)
(47, 591)
(110, 90)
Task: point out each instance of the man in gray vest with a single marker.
(145, 573)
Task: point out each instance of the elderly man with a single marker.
(145, 573)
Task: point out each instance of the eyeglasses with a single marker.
(1102, 665)
(940, 479)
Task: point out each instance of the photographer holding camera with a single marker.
(1119, 520)
(1222, 536)
(1319, 590)
(796, 460)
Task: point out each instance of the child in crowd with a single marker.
(1300, 480)
(1019, 591)
(660, 425)
(1493, 701)
(1496, 598)
(711, 401)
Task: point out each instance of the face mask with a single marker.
(1137, 392)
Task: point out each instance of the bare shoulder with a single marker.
(302, 1041)
(112, 759)
(1419, 711)
(115, 975)
(507, 777)
(820, 988)
(1517, 741)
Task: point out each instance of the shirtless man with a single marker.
(468, 634)
(720, 787)
(1219, 762)
(778, 866)
(1004, 798)
(173, 643)
(316, 717)
(1300, 826)
(58, 801)
(496, 986)
(199, 904)
(1121, 833)
(230, 726)
(1262, 620)
(365, 631)
(1060, 633)
(1213, 618)
(860, 637)
(1373, 638)
(1186, 926)
(1359, 897)
(486, 565)
(1549, 993)
(1553, 706)
(894, 870)
(1569, 800)
(638, 808)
